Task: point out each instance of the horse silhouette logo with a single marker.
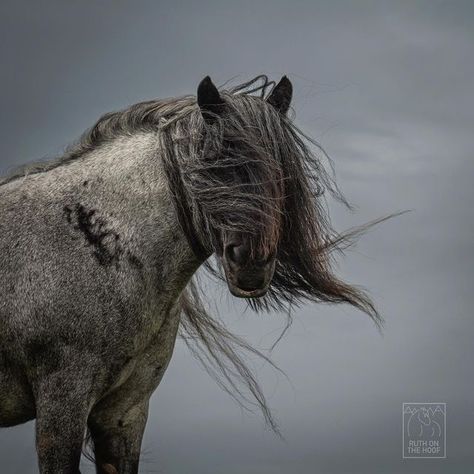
(424, 430)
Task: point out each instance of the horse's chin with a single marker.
(247, 293)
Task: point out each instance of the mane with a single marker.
(254, 171)
(279, 197)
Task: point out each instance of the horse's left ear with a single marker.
(209, 100)
(280, 97)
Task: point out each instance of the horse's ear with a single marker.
(209, 100)
(280, 97)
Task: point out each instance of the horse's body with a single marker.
(90, 279)
(98, 248)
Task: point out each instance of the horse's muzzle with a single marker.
(250, 281)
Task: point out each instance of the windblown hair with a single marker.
(252, 171)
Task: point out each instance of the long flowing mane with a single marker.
(253, 171)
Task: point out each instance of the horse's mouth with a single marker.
(246, 292)
(248, 282)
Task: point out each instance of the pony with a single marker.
(99, 248)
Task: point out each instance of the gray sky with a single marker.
(386, 87)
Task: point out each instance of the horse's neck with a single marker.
(124, 182)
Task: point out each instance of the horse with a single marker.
(99, 247)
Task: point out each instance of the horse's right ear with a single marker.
(281, 95)
(209, 100)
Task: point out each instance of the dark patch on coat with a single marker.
(98, 236)
(68, 213)
(104, 241)
(135, 261)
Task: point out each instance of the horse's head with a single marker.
(248, 235)
(247, 185)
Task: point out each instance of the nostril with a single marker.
(230, 251)
(263, 261)
(237, 253)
